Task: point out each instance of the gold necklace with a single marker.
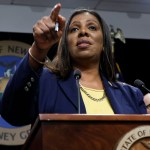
(92, 98)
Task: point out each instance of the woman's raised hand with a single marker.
(44, 31)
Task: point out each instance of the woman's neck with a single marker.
(91, 78)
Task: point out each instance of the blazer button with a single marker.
(29, 84)
(32, 79)
(26, 88)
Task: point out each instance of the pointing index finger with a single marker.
(55, 12)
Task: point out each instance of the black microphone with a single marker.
(140, 84)
(77, 76)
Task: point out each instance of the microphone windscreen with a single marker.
(138, 83)
(77, 74)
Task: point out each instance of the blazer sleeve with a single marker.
(19, 100)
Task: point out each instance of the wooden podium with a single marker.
(88, 132)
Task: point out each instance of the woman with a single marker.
(84, 44)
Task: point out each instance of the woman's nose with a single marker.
(83, 32)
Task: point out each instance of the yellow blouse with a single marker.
(100, 106)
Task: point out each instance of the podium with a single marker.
(89, 132)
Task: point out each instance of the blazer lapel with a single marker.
(69, 87)
(111, 90)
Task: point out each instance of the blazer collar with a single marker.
(69, 87)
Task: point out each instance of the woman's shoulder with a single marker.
(127, 86)
(47, 73)
(50, 75)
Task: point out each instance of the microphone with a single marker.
(77, 76)
(140, 84)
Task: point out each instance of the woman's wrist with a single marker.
(38, 57)
(43, 62)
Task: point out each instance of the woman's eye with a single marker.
(92, 28)
(73, 29)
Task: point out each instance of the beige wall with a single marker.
(21, 19)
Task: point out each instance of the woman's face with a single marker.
(85, 37)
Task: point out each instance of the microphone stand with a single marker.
(77, 76)
(77, 83)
